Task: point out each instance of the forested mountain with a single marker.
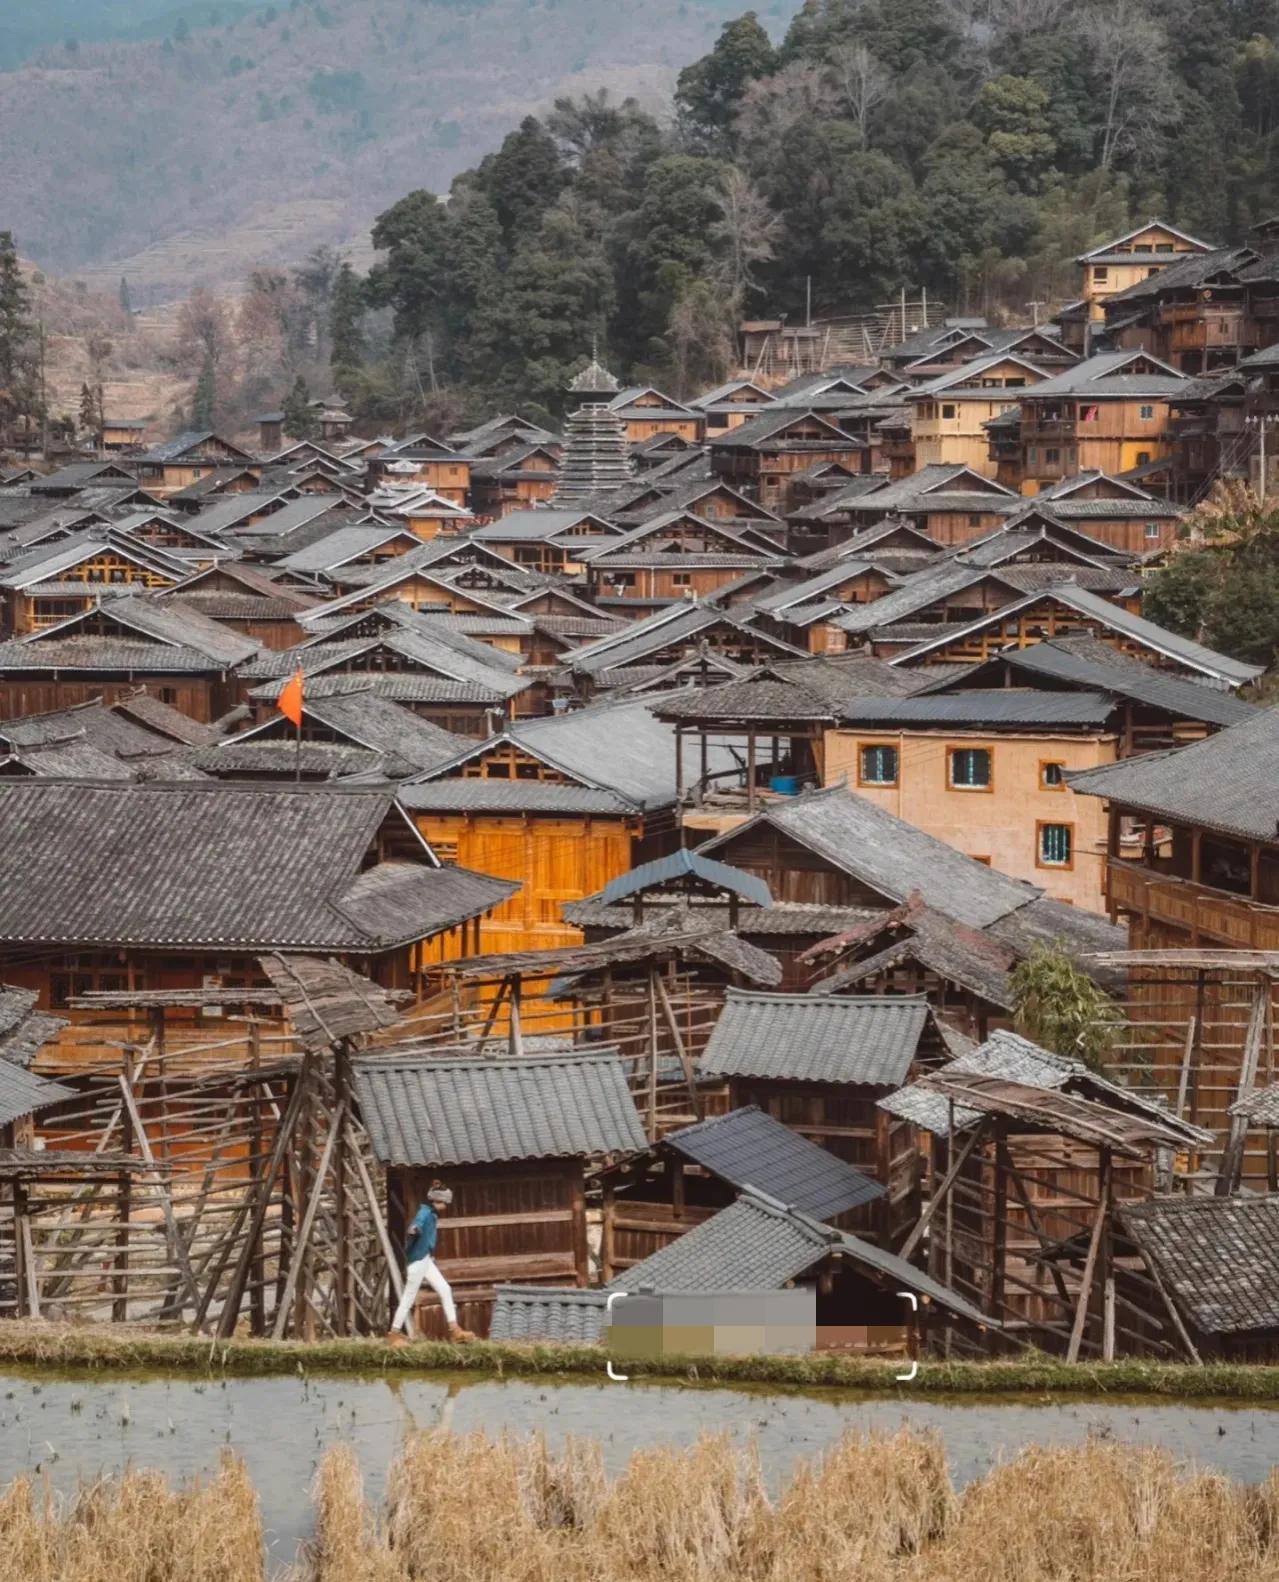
(972, 147)
(248, 134)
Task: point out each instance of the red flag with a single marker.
(289, 702)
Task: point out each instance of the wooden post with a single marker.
(750, 771)
(690, 1076)
(120, 1281)
(291, 1284)
(174, 1244)
(943, 1192)
(345, 1315)
(607, 1232)
(517, 1032)
(1090, 1263)
(1232, 1158)
(581, 1253)
(257, 1281)
(379, 1226)
(651, 1125)
(999, 1228)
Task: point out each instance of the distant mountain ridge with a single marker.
(222, 148)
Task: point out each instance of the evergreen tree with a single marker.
(710, 91)
(204, 397)
(523, 179)
(299, 420)
(346, 312)
(88, 409)
(126, 303)
(18, 371)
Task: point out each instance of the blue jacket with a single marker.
(420, 1241)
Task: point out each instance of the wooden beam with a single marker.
(308, 1223)
(1085, 1284)
(916, 1236)
(1232, 1158)
(699, 1106)
(173, 1241)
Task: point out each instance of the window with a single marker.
(974, 519)
(1056, 846)
(948, 409)
(970, 768)
(877, 766)
(1143, 456)
(1152, 529)
(1089, 414)
(1050, 776)
(1052, 455)
(1100, 273)
(1147, 412)
(681, 579)
(167, 695)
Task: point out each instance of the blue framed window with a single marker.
(970, 768)
(878, 766)
(1056, 845)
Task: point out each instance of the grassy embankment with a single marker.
(470, 1509)
(71, 1348)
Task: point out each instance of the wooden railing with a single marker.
(1197, 909)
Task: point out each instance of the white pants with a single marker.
(425, 1269)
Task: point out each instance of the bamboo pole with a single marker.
(308, 1224)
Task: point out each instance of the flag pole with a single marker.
(297, 758)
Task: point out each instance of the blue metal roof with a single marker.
(681, 864)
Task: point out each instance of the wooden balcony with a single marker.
(1201, 912)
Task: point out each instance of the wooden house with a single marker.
(948, 504)
(677, 555)
(120, 434)
(760, 456)
(110, 650)
(425, 461)
(205, 877)
(819, 1064)
(646, 412)
(442, 675)
(515, 479)
(949, 412)
(185, 459)
(1107, 414)
(518, 1180)
(761, 1243)
(1036, 344)
(1120, 513)
(683, 631)
(246, 599)
(694, 1171)
(359, 548)
(1063, 609)
(546, 541)
(561, 804)
(1122, 262)
(70, 575)
(730, 405)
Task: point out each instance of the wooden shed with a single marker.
(512, 1138)
(820, 1063)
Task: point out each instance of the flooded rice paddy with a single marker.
(73, 1430)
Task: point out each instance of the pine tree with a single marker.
(299, 420)
(88, 409)
(346, 311)
(18, 381)
(204, 399)
(126, 304)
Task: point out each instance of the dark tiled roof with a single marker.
(1218, 1257)
(746, 1147)
(889, 855)
(758, 1244)
(782, 918)
(1228, 782)
(1088, 662)
(441, 1112)
(23, 1027)
(484, 795)
(1000, 706)
(816, 1038)
(206, 864)
(547, 1314)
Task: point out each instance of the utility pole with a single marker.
(1034, 308)
(1260, 423)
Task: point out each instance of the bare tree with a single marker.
(771, 106)
(1129, 53)
(745, 234)
(862, 82)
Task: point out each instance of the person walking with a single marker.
(419, 1250)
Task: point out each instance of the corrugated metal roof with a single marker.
(746, 1147)
(442, 1112)
(22, 1093)
(816, 1038)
